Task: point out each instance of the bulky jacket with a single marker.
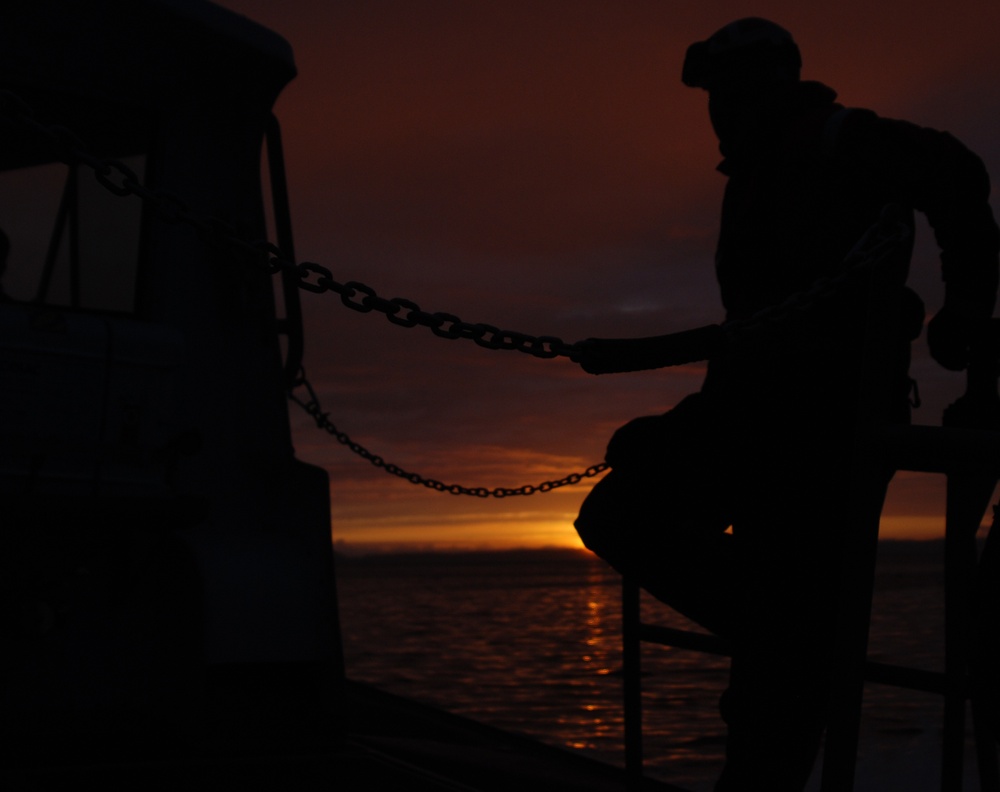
(796, 202)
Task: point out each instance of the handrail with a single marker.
(292, 324)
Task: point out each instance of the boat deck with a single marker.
(456, 753)
(380, 741)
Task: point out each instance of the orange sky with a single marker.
(538, 166)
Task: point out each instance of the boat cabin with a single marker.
(166, 558)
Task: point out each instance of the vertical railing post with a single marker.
(969, 492)
(984, 715)
(631, 680)
(967, 498)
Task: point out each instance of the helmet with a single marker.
(747, 49)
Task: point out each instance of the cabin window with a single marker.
(72, 243)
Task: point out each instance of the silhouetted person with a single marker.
(766, 445)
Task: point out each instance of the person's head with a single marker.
(745, 67)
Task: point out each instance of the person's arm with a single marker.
(936, 174)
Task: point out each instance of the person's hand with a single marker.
(594, 356)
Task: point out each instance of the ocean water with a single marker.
(531, 642)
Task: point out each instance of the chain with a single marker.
(121, 180)
(406, 313)
(312, 407)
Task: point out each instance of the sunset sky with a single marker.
(538, 166)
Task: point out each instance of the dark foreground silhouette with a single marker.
(730, 506)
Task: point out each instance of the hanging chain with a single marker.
(322, 419)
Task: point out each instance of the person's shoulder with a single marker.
(852, 131)
(857, 120)
(862, 129)
(821, 120)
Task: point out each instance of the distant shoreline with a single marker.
(350, 554)
(345, 552)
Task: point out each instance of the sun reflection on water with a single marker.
(532, 643)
